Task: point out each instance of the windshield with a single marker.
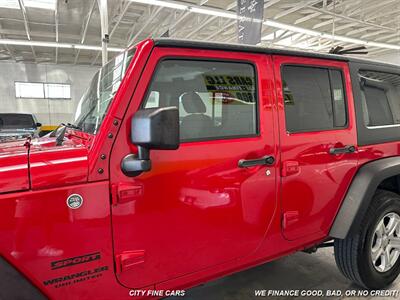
(16, 121)
(95, 101)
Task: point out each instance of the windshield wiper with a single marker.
(73, 126)
(61, 135)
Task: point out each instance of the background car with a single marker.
(17, 126)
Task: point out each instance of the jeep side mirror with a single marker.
(38, 124)
(151, 128)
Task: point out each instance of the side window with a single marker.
(215, 99)
(314, 98)
(153, 100)
(380, 97)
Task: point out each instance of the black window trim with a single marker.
(376, 135)
(210, 59)
(373, 127)
(328, 68)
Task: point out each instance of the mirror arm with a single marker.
(143, 153)
(133, 165)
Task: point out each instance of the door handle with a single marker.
(247, 163)
(346, 149)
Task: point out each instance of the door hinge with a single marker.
(128, 259)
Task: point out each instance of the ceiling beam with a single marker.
(379, 32)
(26, 24)
(307, 18)
(149, 20)
(343, 17)
(224, 27)
(295, 8)
(270, 3)
(11, 52)
(377, 51)
(201, 26)
(103, 8)
(56, 21)
(313, 15)
(364, 7)
(275, 24)
(51, 35)
(120, 17)
(55, 45)
(211, 19)
(180, 19)
(87, 21)
(85, 27)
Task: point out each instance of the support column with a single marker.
(104, 29)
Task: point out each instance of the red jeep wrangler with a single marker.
(269, 152)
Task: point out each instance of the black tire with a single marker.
(353, 254)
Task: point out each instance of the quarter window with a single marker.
(314, 98)
(215, 99)
(380, 97)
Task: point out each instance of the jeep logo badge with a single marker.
(74, 201)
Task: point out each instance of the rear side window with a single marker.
(215, 99)
(314, 98)
(380, 98)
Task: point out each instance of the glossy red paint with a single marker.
(14, 173)
(103, 141)
(197, 192)
(48, 163)
(195, 216)
(38, 228)
(308, 206)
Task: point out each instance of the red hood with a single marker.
(49, 165)
(13, 166)
(8, 148)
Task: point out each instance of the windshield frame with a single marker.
(100, 97)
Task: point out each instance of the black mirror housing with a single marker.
(38, 124)
(156, 128)
(151, 128)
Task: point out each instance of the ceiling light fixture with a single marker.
(13, 4)
(212, 12)
(56, 45)
(174, 5)
(42, 4)
(50, 4)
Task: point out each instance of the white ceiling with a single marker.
(78, 22)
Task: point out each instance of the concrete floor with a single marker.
(300, 271)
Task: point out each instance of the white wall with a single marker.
(48, 112)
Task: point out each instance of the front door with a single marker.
(318, 142)
(197, 207)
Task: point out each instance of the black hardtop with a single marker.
(181, 43)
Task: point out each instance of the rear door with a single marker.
(318, 142)
(196, 208)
